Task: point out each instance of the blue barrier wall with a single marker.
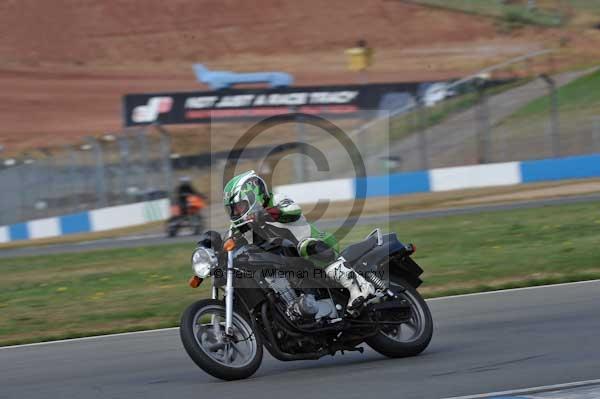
(488, 175)
(391, 185)
(18, 231)
(76, 223)
(579, 167)
(85, 222)
(457, 178)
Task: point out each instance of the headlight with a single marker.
(203, 260)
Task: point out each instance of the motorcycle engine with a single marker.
(308, 306)
(305, 306)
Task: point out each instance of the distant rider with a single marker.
(246, 196)
(183, 192)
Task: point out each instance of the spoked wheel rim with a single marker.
(412, 329)
(209, 332)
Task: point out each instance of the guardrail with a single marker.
(86, 222)
(434, 180)
(445, 179)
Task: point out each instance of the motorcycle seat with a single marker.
(355, 251)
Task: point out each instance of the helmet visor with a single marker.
(238, 209)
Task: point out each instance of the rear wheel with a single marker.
(409, 338)
(202, 332)
(171, 227)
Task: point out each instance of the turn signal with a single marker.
(229, 245)
(195, 282)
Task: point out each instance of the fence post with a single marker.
(144, 167)
(165, 151)
(3, 183)
(300, 158)
(10, 203)
(421, 135)
(483, 126)
(73, 179)
(22, 188)
(50, 178)
(554, 117)
(99, 171)
(596, 135)
(124, 161)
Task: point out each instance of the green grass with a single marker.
(71, 295)
(580, 95)
(591, 6)
(409, 123)
(513, 14)
(578, 110)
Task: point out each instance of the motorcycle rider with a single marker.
(183, 191)
(247, 198)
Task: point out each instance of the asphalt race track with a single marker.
(381, 220)
(482, 343)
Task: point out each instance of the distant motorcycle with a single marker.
(192, 219)
(298, 317)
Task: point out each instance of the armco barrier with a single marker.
(445, 179)
(442, 179)
(579, 167)
(89, 221)
(498, 174)
(333, 190)
(391, 185)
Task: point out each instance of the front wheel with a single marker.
(409, 338)
(197, 223)
(202, 332)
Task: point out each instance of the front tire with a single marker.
(407, 339)
(198, 224)
(201, 331)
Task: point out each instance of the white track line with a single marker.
(546, 388)
(513, 290)
(89, 338)
(176, 328)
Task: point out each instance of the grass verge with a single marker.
(553, 14)
(578, 122)
(578, 95)
(74, 295)
(414, 121)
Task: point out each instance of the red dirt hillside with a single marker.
(64, 64)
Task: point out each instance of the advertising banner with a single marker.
(250, 104)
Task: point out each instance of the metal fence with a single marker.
(479, 124)
(517, 121)
(131, 166)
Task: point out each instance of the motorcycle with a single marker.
(294, 314)
(192, 219)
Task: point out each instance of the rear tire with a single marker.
(218, 362)
(390, 344)
(171, 227)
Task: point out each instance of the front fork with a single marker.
(228, 294)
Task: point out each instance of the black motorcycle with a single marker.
(283, 303)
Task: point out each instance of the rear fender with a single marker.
(393, 255)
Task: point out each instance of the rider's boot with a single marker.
(360, 289)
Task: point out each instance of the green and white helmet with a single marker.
(244, 195)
